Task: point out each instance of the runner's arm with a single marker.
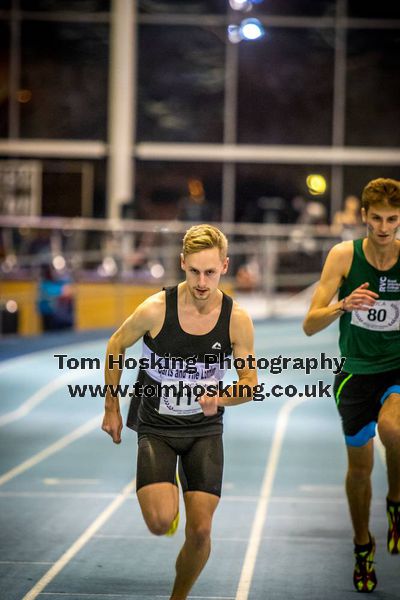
(242, 336)
(337, 266)
(141, 321)
(321, 313)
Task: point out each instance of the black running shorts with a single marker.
(359, 399)
(201, 459)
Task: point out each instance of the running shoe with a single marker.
(393, 536)
(364, 577)
(174, 526)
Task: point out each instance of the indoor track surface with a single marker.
(71, 527)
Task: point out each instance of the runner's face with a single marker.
(383, 222)
(203, 271)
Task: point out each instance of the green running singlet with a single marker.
(370, 340)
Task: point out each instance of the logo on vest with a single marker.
(382, 284)
(388, 285)
(216, 346)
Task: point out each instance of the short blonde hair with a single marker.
(202, 237)
(381, 191)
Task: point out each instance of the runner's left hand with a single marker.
(209, 405)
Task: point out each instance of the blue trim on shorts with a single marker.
(393, 389)
(362, 436)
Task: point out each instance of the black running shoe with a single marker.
(393, 536)
(364, 577)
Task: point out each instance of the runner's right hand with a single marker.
(360, 299)
(112, 424)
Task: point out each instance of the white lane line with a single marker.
(17, 361)
(130, 596)
(262, 506)
(60, 444)
(58, 495)
(282, 538)
(322, 489)
(69, 481)
(80, 542)
(276, 500)
(41, 395)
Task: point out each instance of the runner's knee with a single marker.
(359, 472)
(199, 534)
(389, 430)
(158, 524)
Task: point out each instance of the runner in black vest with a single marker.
(367, 274)
(188, 323)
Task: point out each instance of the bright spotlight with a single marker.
(316, 184)
(251, 29)
(108, 267)
(157, 270)
(59, 262)
(244, 5)
(11, 306)
(234, 34)
(9, 263)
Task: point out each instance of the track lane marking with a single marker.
(40, 395)
(80, 543)
(262, 505)
(16, 360)
(58, 445)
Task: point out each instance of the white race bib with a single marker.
(383, 316)
(178, 399)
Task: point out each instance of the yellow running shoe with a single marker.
(393, 536)
(364, 577)
(174, 526)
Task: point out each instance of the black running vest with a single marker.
(177, 363)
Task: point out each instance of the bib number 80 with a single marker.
(385, 316)
(377, 315)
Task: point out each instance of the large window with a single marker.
(181, 84)
(286, 88)
(323, 76)
(179, 190)
(199, 7)
(86, 6)
(274, 193)
(373, 88)
(375, 10)
(355, 178)
(64, 71)
(4, 77)
(73, 188)
(295, 7)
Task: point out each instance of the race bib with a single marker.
(180, 398)
(384, 316)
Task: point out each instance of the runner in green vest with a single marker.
(367, 274)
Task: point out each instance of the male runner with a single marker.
(367, 274)
(193, 319)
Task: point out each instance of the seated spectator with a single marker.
(55, 302)
(195, 207)
(346, 221)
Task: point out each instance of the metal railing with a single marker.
(270, 258)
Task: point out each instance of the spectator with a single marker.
(348, 220)
(195, 207)
(55, 301)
